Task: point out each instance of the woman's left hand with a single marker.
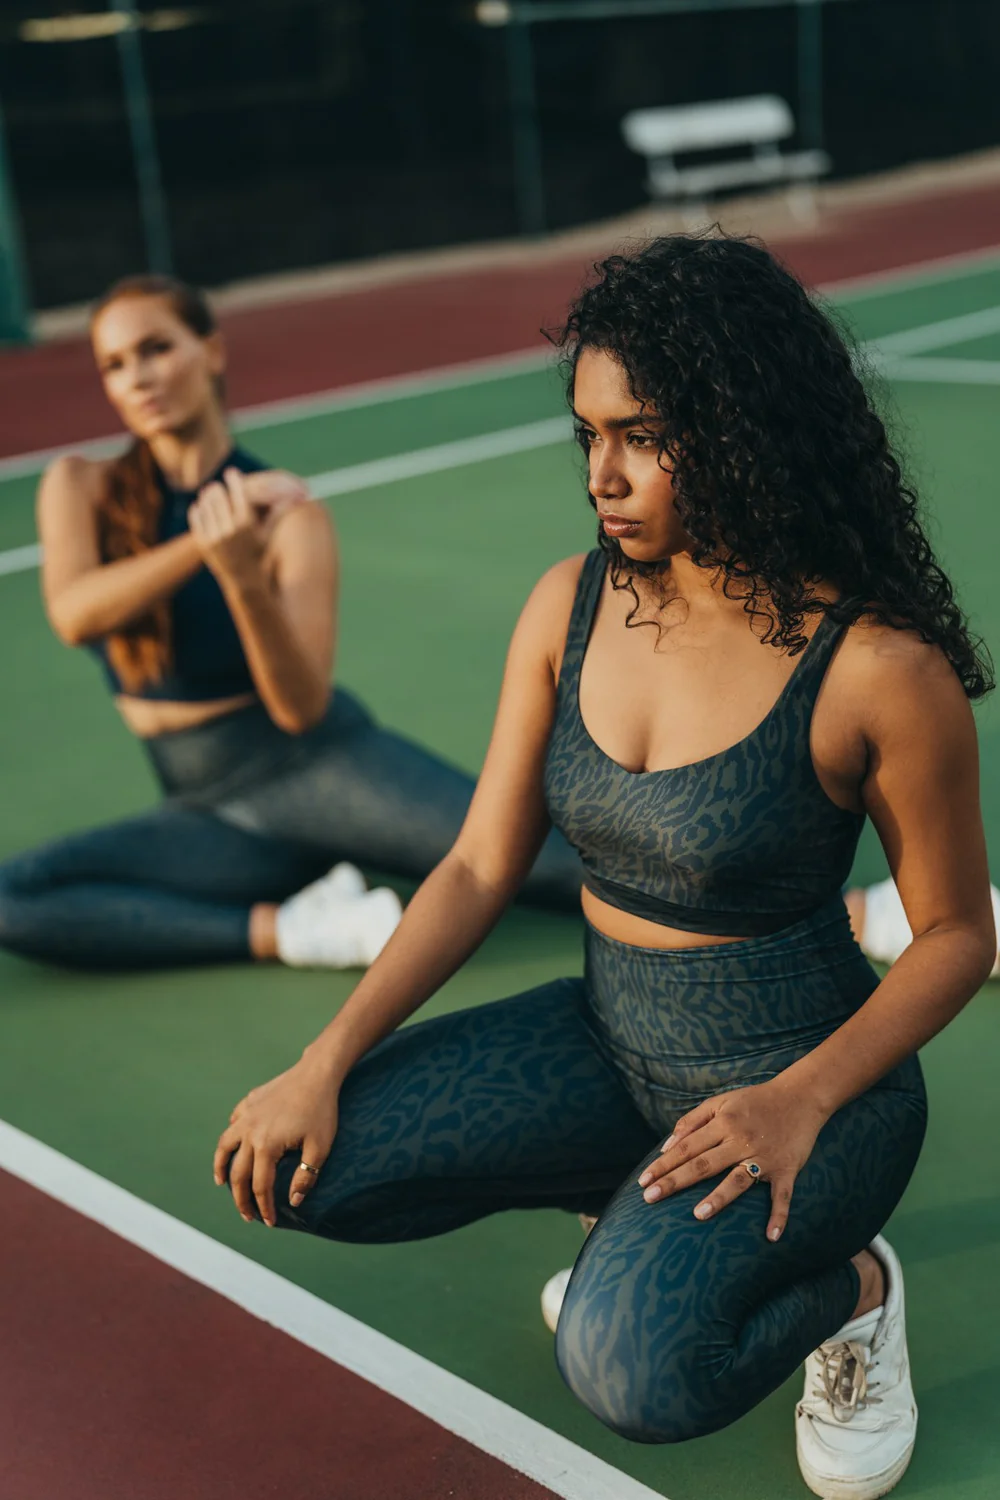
(769, 1124)
(231, 520)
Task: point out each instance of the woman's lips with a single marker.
(619, 526)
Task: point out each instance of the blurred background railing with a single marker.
(242, 137)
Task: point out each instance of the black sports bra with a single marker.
(740, 844)
(208, 657)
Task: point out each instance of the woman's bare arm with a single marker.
(922, 794)
(921, 789)
(86, 598)
(280, 582)
(463, 898)
(450, 915)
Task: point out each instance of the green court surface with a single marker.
(134, 1076)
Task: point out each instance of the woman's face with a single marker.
(633, 491)
(158, 375)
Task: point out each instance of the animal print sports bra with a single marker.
(740, 844)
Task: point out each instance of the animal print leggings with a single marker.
(671, 1328)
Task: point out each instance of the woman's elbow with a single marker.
(69, 626)
(985, 949)
(299, 718)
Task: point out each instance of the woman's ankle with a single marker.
(263, 931)
(873, 1287)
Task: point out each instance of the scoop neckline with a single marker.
(707, 760)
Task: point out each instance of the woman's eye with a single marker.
(641, 439)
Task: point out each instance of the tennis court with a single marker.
(451, 495)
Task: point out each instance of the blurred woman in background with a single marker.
(207, 586)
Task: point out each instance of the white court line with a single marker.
(295, 408)
(889, 352)
(943, 371)
(921, 273)
(489, 1424)
(19, 559)
(355, 477)
(939, 335)
(442, 456)
(476, 371)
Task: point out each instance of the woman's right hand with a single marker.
(297, 1111)
(272, 492)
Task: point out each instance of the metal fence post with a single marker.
(15, 317)
(529, 179)
(810, 71)
(152, 202)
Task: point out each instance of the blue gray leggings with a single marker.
(250, 814)
(671, 1328)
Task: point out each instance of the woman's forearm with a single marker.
(448, 918)
(291, 686)
(925, 989)
(113, 595)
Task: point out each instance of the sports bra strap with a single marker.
(807, 679)
(588, 592)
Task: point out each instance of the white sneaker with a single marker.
(856, 1424)
(553, 1295)
(554, 1290)
(323, 926)
(341, 884)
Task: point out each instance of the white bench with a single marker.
(760, 122)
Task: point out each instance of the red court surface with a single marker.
(121, 1379)
(49, 395)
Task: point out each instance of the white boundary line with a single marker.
(476, 371)
(922, 273)
(939, 335)
(295, 408)
(939, 371)
(890, 354)
(20, 559)
(490, 1425)
(356, 477)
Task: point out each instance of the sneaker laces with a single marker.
(843, 1372)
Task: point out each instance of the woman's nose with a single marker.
(607, 482)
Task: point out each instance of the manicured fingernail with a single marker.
(218, 1182)
(295, 1199)
(646, 1177)
(774, 1234)
(652, 1193)
(703, 1211)
(669, 1142)
(247, 1218)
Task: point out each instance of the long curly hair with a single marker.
(128, 511)
(783, 474)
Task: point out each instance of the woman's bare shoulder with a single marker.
(556, 589)
(545, 617)
(69, 480)
(894, 673)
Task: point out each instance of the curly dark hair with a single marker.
(783, 473)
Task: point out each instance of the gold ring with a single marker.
(305, 1167)
(752, 1170)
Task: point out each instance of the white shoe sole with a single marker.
(870, 1487)
(553, 1295)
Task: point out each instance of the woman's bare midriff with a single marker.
(148, 717)
(622, 927)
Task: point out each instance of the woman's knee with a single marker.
(640, 1369)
